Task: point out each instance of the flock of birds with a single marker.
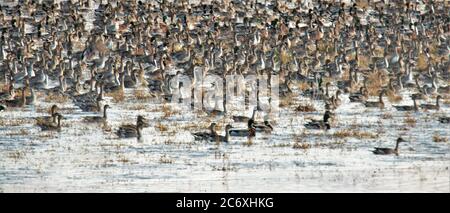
(49, 47)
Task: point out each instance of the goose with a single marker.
(130, 130)
(444, 89)
(360, 96)
(389, 151)
(250, 131)
(432, 106)
(50, 125)
(320, 124)
(30, 100)
(40, 81)
(9, 95)
(206, 135)
(378, 103)
(407, 107)
(52, 118)
(266, 127)
(220, 138)
(419, 95)
(237, 118)
(17, 102)
(98, 119)
(212, 136)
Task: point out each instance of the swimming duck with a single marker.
(389, 151)
(320, 124)
(130, 130)
(431, 106)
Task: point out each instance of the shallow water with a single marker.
(84, 158)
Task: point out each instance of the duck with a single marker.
(249, 132)
(98, 119)
(432, 106)
(320, 124)
(389, 151)
(50, 125)
(130, 130)
(378, 103)
(408, 107)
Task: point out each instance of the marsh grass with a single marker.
(13, 122)
(375, 81)
(142, 95)
(301, 145)
(386, 115)
(16, 155)
(161, 127)
(117, 96)
(305, 108)
(286, 101)
(19, 133)
(354, 133)
(53, 97)
(410, 121)
(164, 159)
(437, 138)
(167, 111)
(123, 159)
(394, 98)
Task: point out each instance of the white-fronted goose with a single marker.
(130, 130)
(432, 106)
(407, 107)
(379, 103)
(320, 124)
(389, 151)
(98, 119)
